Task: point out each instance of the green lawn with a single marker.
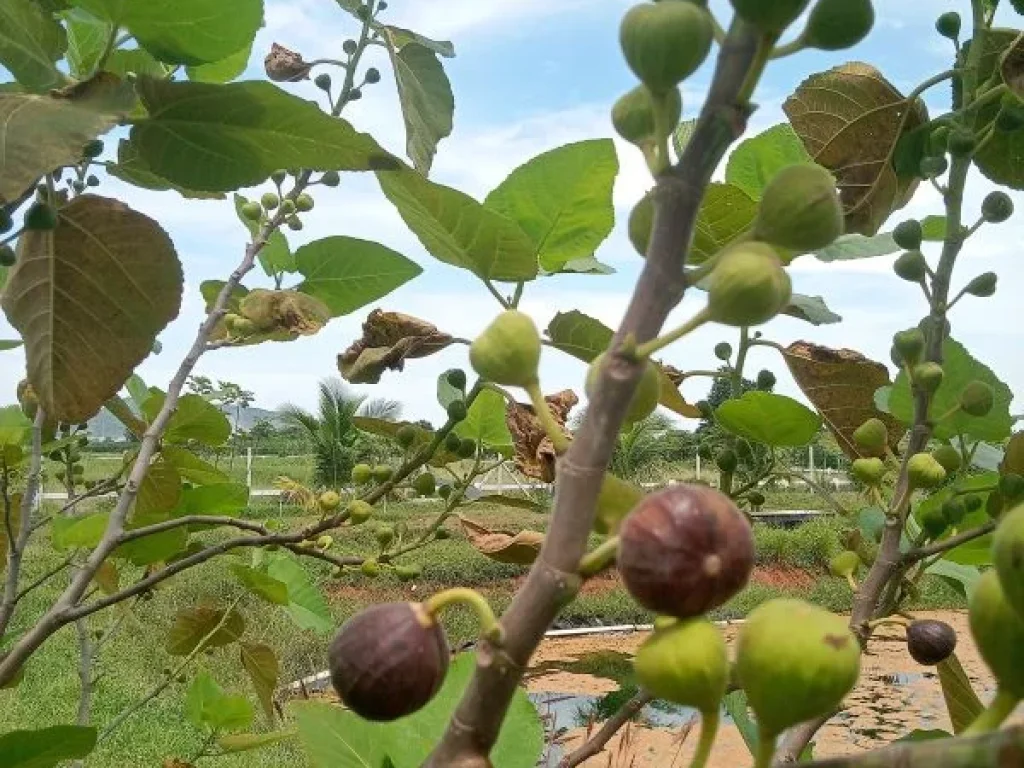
(134, 661)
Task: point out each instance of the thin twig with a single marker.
(945, 545)
(595, 744)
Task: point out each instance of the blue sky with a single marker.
(531, 75)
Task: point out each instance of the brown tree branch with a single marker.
(945, 545)
(595, 744)
(553, 580)
(1002, 749)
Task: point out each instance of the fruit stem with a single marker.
(708, 730)
(852, 582)
(655, 345)
(490, 627)
(788, 49)
(600, 558)
(551, 427)
(1002, 707)
(765, 750)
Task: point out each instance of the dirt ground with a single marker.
(895, 696)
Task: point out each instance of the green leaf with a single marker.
(41, 133)
(262, 666)
(934, 228)
(220, 499)
(426, 98)
(198, 626)
(456, 229)
(192, 468)
(486, 424)
(774, 420)
(78, 532)
(579, 335)
(999, 158)
(850, 247)
(562, 199)
(346, 273)
(236, 135)
(194, 419)
(585, 266)
(87, 37)
(31, 42)
(206, 705)
(80, 352)
(871, 521)
(14, 426)
(193, 31)
(134, 61)
(261, 585)
(960, 368)
(155, 548)
(973, 553)
(6, 345)
(132, 169)
(922, 735)
(755, 161)
(736, 706)
(307, 607)
(336, 738)
(160, 490)
(962, 702)
(203, 693)
(725, 213)
(223, 71)
(401, 37)
(811, 309)
(46, 747)
(275, 256)
(961, 577)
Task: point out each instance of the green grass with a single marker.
(132, 663)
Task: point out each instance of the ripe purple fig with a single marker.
(388, 661)
(930, 642)
(685, 550)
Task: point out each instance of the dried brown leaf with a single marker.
(850, 119)
(284, 65)
(516, 548)
(841, 385)
(535, 455)
(389, 339)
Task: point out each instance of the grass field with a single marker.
(132, 663)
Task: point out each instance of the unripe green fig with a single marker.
(908, 235)
(949, 457)
(331, 179)
(8, 258)
(406, 435)
(911, 266)
(973, 502)
(508, 351)
(408, 572)
(641, 221)
(664, 43)
(425, 484)
(372, 75)
(6, 222)
(329, 501)
(452, 442)
(872, 437)
(1008, 557)
(756, 499)
(467, 448)
(837, 24)
(977, 399)
(983, 285)
(252, 211)
(727, 461)
(686, 663)
(994, 505)
(796, 662)
(325, 542)
(933, 166)
(41, 216)
(933, 521)
(771, 17)
(909, 345)
(362, 474)
(998, 630)
(457, 410)
(844, 564)
(766, 380)
(287, 206)
(634, 115)
(270, 201)
(457, 378)
(444, 491)
(645, 398)
(304, 203)
(382, 473)
(1011, 487)
(748, 286)
(93, 149)
(322, 81)
(954, 510)
(385, 534)
(869, 471)
(800, 209)
(997, 207)
(923, 471)
(948, 25)
(359, 511)
(294, 223)
(370, 567)
(961, 143)
(927, 377)
(723, 350)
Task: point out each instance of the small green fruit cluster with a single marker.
(664, 43)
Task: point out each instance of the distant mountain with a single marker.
(105, 427)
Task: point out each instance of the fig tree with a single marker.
(1008, 556)
(685, 550)
(837, 24)
(748, 286)
(664, 43)
(795, 661)
(508, 351)
(645, 397)
(800, 209)
(686, 663)
(930, 642)
(388, 661)
(998, 630)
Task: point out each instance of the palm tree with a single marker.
(646, 444)
(332, 431)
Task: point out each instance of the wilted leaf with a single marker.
(850, 119)
(389, 339)
(518, 502)
(193, 625)
(520, 548)
(282, 315)
(535, 455)
(261, 664)
(121, 269)
(841, 384)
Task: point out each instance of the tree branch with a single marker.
(1001, 748)
(553, 580)
(916, 555)
(595, 744)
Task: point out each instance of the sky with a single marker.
(529, 76)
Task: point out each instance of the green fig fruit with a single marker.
(329, 501)
(723, 350)
(41, 216)
(467, 448)
(92, 149)
(359, 512)
(452, 442)
(872, 437)
(954, 511)
(983, 285)
(766, 380)
(727, 461)
(8, 258)
(252, 211)
(948, 25)
(325, 542)
(686, 663)
(408, 572)
(748, 286)
(384, 534)
(1011, 487)
(795, 661)
(949, 457)
(635, 115)
(645, 398)
(508, 351)
(1008, 557)
(287, 206)
(641, 222)
(977, 399)
(370, 567)
(322, 81)
(382, 473)
(994, 505)
(6, 222)
(406, 435)
(997, 207)
(911, 266)
(756, 499)
(304, 203)
(771, 18)
(923, 471)
(837, 24)
(909, 345)
(331, 179)
(869, 471)
(933, 166)
(362, 474)
(844, 564)
(908, 235)
(457, 378)
(998, 630)
(800, 209)
(973, 502)
(615, 499)
(444, 491)
(927, 377)
(270, 201)
(933, 521)
(664, 43)
(425, 484)
(457, 410)
(961, 143)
